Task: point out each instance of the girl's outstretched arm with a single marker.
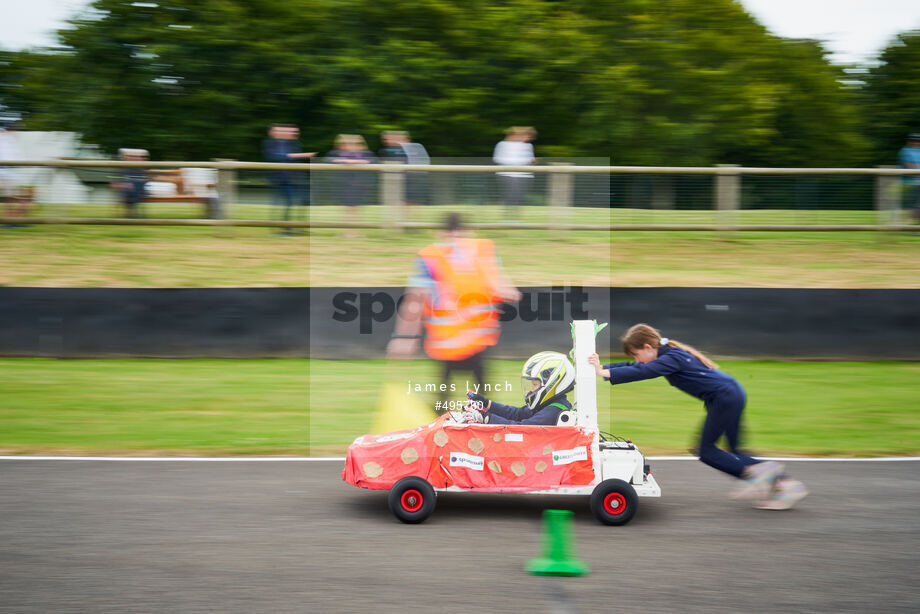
(595, 360)
(637, 371)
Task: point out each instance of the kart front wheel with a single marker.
(614, 502)
(411, 499)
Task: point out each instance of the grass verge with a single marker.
(296, 407)
(150, 257)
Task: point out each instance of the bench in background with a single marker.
(185, 185)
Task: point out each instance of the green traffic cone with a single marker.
(557, 559)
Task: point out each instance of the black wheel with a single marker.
(411, 499)
(614, 502)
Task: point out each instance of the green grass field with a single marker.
(122, 256)
(296, 407)
(299, 406)
(486, 213)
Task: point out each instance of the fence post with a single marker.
(887, 191)
(728, 194)
(392, 189)
(662, 191)
(560, 187)
(226, 184)
(559, 193)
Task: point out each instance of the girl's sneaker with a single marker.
(758, 480)
(786, 493)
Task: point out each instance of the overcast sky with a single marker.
(852, 30)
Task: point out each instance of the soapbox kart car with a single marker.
(571, 458)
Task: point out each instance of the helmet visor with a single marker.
(530, 386)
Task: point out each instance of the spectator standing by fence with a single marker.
(397, 146)
(291, 187)
(391, 150)
(515, 150)
(133, 183)
(909, 157)
(352, 186)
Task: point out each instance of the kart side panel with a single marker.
(474, 456)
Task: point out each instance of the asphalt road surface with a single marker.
(252, 537)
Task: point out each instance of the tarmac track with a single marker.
(182, 537)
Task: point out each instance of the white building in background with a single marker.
(55, 185)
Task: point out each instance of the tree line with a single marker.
(646, 82)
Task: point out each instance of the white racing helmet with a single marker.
(555, 374)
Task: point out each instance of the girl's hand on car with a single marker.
(595, 360)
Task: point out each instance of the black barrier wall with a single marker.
(179, 323)
(779, 322)
(358, 322)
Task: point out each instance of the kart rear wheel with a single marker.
(411, 499)
(614, 502)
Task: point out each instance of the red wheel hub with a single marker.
(411, 500)
(615, 504)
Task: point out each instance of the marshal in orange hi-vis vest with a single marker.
(463, 319)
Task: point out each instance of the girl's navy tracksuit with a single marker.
(722, 395)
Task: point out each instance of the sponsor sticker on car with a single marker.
(564, 457)
(459, 459)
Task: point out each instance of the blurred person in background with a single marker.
(909, 157)
(15, 196)
(291, 187)
(416, 181)
(453, 297)
(398, 147)
(133, 183)
(515, 150)
(353, 186)
(692, 372)
(391, 150)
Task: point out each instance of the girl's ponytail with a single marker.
(696, 353)
(640, 334)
